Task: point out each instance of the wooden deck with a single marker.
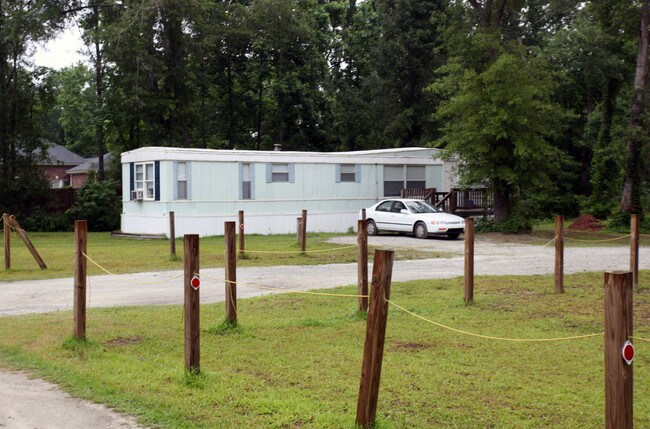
(461, 202)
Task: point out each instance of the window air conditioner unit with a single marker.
(137, 195)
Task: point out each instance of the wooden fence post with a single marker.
(80, 270)
(28, 243)
(231, 272)
(373, 349)
(559, 254)
(191, 265)
(469, 260)
(634, 249)
(7, 236)
(363, 214)
(303, 231)
(172, 235)
(618, 330)
(362, 264)
(241, 233)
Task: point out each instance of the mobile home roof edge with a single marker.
(388, 156)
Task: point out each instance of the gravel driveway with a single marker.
(26, 403)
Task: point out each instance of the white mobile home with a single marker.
(205, 187)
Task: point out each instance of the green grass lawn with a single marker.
(294, 360)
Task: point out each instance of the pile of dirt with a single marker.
(586, 222)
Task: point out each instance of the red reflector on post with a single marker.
(195, 282)
(628, 352)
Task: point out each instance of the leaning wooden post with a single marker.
(172, 235)
(192, 303)
(634, 249)
(559, 254)
(231, 272)
(80, 270)
(303, 231)
(7, 235)
(373, 350)
(363, 214)
(618, 330)
(362, 264)
(241, 233)
(28, 243)
(469, 260)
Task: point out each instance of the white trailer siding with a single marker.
(215, 188)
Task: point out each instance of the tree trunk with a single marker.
(99, 76)
(501, 201)
(630, 200)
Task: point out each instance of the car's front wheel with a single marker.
(372, 228)
(420, 230)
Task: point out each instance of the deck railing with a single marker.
(463, 202)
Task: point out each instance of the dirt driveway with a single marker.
(27, 403)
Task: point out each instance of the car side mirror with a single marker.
(404, 211)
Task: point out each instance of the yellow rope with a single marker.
(488, 337)
(97, 265)
(598, 241)
(640, 339)
(136, 283)
(334, 249)
(554, 238)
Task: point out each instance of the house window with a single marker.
(181, 181)
(415, 177)
(279, 173)
(393, 180)
(145, 179)
(398, 177)
(348, 173)
(246, 181)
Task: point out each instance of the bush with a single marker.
(620, 222)
(99, 204)
(513, 224)
(46, 222)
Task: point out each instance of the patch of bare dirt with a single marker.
(124, 341)
(402, 346)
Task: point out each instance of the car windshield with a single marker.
(421, 207)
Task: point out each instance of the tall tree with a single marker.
(637, 137)
(21, 107)
(498, 123)
(407, 53)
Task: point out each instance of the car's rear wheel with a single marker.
(420, 230)
(372, 228)
(453, 235)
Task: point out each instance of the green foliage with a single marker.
(225, 328)
(76, 107)
(46, 221)
(513, 224)
(499, 121)
(99, 204)
(619, 222)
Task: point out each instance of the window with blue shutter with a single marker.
(280, 173)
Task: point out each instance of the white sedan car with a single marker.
(412, 216)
